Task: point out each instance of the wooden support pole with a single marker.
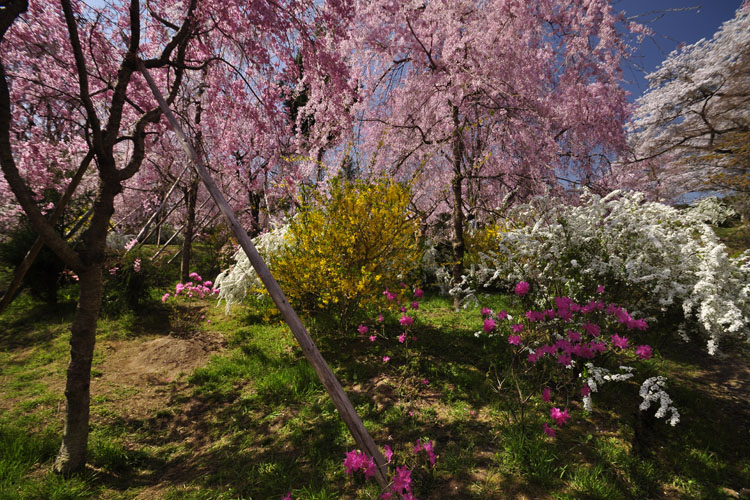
(329, 380)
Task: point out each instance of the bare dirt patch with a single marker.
(160, 360)
(140, 378)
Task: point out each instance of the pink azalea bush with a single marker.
(401, 484)
(184, 317)
(570, 340)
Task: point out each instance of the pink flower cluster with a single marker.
(401, 480)
(429, 448)
(191, 289)
(397, 302)
(356, 460)
(522, 288)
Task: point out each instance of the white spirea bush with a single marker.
(711, 210)
(652, 391)
(234, 283)
(652, 258)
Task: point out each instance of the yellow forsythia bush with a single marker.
(344, 248)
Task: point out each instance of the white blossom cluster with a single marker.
(599, 376)
(235, 281)
(652, 390)
(711, 210)
(661, 257)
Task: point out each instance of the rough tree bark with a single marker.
(457, 218)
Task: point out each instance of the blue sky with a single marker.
(670, 28)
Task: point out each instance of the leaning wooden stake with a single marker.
(331, 383)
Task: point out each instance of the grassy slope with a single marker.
(255, 423)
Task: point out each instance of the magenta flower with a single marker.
(600, 289)
(532, 358)
(402, 309)
(486, 311)
(644, 351)
(636, 324)
(380, 318)
(389, 295)
(372, 338)
(517, 328)
(489, 325)
(564, 359)
(548, 430)
(353, 461)
(386, 359)
(388, 453)
(425, 381)
(415, 305)
(574, 336)
(559, 416)
(502, 315)
(288, 496)
(546, 394)
(402, 338)
(401, 480)
(429, 448)
(195, 276)
(522, 288)
(621, 342)
(418, 293)
(592, 329)
(514, 339)
(362, 329)
(164, 297)
(406, 320)
(585, 390)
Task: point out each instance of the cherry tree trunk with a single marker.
(457, 218)
(187, 245)
(72, 455)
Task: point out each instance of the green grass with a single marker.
(255, 422)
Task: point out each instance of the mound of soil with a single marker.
(139, 378)
(161, 360)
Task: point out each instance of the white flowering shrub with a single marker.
(652, 391)
(711, 210)
(657, 260)
(234, 283)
